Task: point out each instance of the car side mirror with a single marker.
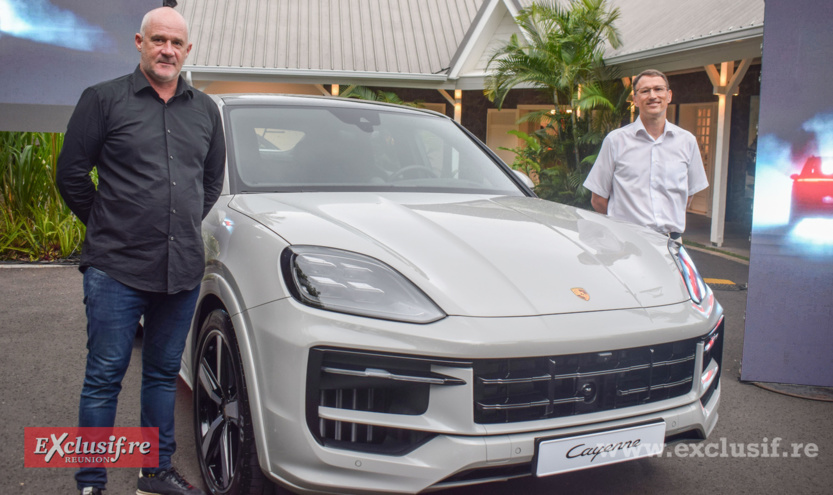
(524, 178)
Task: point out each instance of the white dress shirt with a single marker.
(648, 181)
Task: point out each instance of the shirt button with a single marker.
(169, 131)
(173, 211)
(172, 237)
(173, 183)
(172, 157)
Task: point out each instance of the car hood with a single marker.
(485, 256)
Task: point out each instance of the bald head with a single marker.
(163, 14)
(163, 44)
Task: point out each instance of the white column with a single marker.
(721, 165)
(726, 84)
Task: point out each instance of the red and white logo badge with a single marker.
(91, 447)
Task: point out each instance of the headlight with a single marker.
(352, 283)
(693, 281)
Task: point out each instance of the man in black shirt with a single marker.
(159, 149)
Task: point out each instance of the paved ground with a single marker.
(42, 356)
(41, 366)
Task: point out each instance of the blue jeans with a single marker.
(113, 313)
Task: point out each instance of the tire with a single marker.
(222, 419)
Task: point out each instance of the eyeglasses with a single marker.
(659, 90)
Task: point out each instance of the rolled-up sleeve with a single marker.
(79, 154)
(600, 178)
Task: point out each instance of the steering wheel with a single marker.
(417, 171)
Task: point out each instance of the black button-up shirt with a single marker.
(160, 169)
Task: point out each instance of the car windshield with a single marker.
(344, 148)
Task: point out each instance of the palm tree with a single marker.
(365, 93)
(564, 53)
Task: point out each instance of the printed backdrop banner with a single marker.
(789, 310)
(52, 49)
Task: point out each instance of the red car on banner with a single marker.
(813, 189)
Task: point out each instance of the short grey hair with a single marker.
(650, 73)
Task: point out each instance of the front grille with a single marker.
(359, 381)
(527, 389)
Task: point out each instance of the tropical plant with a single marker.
(35, 224)
(564, 52)
(562, 55)
(527, 158)
(365, 93)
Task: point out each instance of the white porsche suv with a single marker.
(388, 308)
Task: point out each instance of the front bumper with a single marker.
(453, 449)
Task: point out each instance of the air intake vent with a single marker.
(359, 381)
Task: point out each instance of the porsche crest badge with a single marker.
(581, 293)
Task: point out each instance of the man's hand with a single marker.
(599, 203)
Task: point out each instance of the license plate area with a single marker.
(560, 455)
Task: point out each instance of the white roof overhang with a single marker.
(733, 45)
(307, 76)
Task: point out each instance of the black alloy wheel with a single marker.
(222, 420)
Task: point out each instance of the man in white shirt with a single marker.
(647, 171)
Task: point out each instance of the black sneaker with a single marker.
(91, 490)
(167, 482)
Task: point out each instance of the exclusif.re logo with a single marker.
(581, 293)
(91, 447)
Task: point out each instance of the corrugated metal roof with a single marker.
(384, 36)
(413, 42)
(646, 25)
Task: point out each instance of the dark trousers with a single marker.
(113, 314)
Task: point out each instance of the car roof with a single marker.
(269, 99)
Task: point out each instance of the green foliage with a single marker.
(35, 224)
(562, 54)
(564, 185)
(564, 51)
(527, 158)
(365, 93)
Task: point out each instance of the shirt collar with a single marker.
(639, 126)
(140, 82)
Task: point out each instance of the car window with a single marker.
(817, 167)
(284, 148)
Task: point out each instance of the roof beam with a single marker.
(714, 75)
(727, 83)
(447, 96)
(456, 102)
(740, 72)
